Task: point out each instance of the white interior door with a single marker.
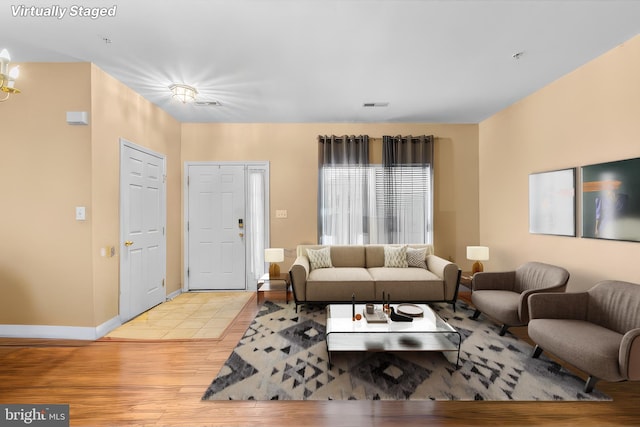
(142, 225)
(215, 227)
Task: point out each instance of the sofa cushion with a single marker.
(319, 258)
(348, 256)
(339, 275)
(395, 256)
(407, 284)
(338, 284)
(589, 347)
(417, 257)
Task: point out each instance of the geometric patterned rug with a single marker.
(283, 356)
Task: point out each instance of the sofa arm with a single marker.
(494, 280)
(299, 272)
(523, 309)
(558, 305)
(629, 356)
(447, 271)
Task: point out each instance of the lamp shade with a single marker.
(478, 253)
(274, 255)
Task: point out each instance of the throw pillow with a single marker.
(395, 256)
(320, 258)
(415, 257)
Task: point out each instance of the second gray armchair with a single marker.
(503, 295)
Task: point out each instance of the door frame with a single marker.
(123, 221)
(250, 285)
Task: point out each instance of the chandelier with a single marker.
(7, 78)
(183, 93)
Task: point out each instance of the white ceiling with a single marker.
(445, 61)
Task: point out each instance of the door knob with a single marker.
(128, 243)
(241, 234)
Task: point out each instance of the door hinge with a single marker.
(188, 272)
(163, 283)
(188, 179)
(187, 225)
(164, 178)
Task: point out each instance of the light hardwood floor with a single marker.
(160, 383)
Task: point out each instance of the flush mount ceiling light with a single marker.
(183, 93)
(7, 78)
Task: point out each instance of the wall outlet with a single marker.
(281, 213)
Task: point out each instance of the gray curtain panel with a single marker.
(343, 150)
(405, 150)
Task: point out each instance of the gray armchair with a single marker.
(597, 331)
(503, 295)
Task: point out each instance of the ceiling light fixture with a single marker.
(7, 78)
(183, 93)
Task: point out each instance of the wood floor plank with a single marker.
(161, 384)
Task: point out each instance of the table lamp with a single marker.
(477, 254)
(274, 255)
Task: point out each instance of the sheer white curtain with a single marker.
(343, 190)
(256, 222)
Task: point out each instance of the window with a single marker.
(374, 204)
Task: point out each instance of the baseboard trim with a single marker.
(59, 332)
(66, 332)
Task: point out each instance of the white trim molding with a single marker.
(59, 332)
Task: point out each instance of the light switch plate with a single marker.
(281, 213)
(81, 213)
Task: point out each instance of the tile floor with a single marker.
(191, 315)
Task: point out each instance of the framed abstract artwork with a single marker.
(611, 200)
(552, 202)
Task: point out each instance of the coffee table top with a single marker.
(340, 320)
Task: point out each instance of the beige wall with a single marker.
(45, 171)
(588, 116)
(292, 152)
(51, 271)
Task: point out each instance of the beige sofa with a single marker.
(360, 270)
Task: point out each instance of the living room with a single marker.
(583, 118)
(52, 272)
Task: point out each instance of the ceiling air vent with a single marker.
(375, 104)
(207, 103)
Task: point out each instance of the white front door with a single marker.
(142, 229)
(215, 227)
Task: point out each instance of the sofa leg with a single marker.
(591, 382)
(537, 351)
(454, 306)
(503, 330)
(475, 314)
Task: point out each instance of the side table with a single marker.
(278, 284)
(465, 285)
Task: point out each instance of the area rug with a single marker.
(283, 356)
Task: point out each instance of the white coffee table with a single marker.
(427, 333)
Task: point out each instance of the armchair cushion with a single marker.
(587, 346)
